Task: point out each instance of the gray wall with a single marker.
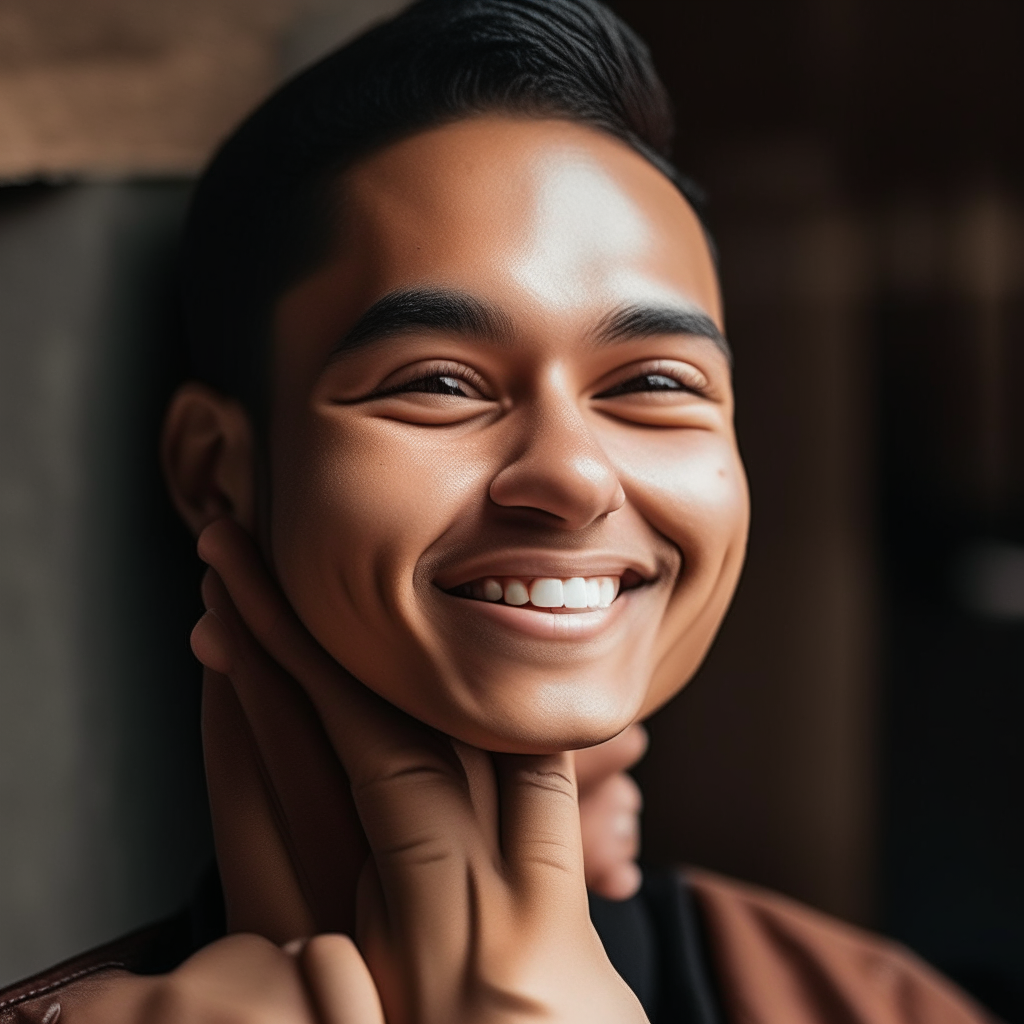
(103, 820)
(102, 809)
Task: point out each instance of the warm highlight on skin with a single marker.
(382, 503)
(508, 379)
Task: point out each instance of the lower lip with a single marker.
(547, 625)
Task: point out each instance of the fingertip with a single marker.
(211, 644)
(638, 742)
(619, 883)
(626, 793)
(205, 543)
(210, 542)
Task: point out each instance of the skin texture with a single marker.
(472, 905)
(530, 474)
(354, 704)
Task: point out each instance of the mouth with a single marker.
(549, 594)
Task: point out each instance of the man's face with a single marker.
(503, 387)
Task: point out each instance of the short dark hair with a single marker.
(262, 216)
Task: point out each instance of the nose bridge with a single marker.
(557, 464)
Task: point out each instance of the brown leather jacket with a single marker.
(763, 959)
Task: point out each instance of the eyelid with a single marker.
(425, 369)
(693, 380)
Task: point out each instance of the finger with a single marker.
(540, 831)
(311, 793)
(621, 882)
(339, 981)
(482, 791)
(211, 644)
(241, 977)
(408, 785)
(595, 764)
(609, 824)
(261, 891)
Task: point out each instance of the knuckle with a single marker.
(428, 851)
(550, 780)
(385, 783)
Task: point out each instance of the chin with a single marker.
(526, 712)
(554, 735)
(497, 678)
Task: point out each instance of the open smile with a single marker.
(550, 594)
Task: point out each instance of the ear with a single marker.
(207, 450)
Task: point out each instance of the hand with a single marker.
(473, 905)
(273, 806)
(243, 979)
(610, 805)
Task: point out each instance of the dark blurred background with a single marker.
(852, 739)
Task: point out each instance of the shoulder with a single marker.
(777, 960)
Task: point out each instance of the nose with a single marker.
(558, 467)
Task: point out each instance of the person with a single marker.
(460, 456)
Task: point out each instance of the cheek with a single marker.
(353, 512)
(694, 492)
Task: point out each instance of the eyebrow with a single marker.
(635, 321)
(443, 311)
(452, 312)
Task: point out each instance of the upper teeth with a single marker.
(542, 592)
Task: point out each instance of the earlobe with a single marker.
(207, 452)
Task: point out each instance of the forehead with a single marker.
(549, 218)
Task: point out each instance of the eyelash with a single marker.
(451, 376)
(452, 383)
(625, 388)
(453, 373)
(660, 378)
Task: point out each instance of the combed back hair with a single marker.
(263, 218)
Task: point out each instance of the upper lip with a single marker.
(526, 563)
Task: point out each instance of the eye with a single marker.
(437, 385)
(446, 379)
(661, 375)
(645, 382)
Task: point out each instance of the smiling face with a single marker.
(505, 490)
